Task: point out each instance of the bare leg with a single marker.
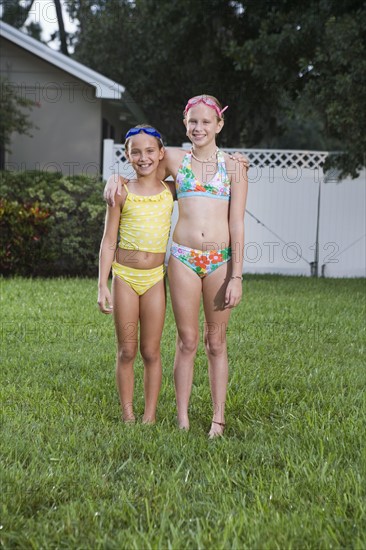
(152, 313)
(185, 291)
(126, 314)
(217, 318)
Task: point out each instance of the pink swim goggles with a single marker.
(207, 101)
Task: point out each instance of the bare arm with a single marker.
(172, 160)
(239, 191)
(240, 158)
(112, 187)
(106, 256)
(168, 166)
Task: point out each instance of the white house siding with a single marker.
(68, 117)
(111, 111)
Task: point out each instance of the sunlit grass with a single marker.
(290, 472)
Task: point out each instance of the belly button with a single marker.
(202, 234)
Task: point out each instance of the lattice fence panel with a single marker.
(260, 158)
(283, 158)
(119, 153)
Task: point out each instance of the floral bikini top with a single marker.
(187, 184)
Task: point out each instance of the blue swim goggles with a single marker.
(148, 131)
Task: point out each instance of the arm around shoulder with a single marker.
(113, 187)
(172, 160)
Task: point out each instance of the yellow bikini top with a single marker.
(145, 221)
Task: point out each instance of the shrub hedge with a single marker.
(50, 224)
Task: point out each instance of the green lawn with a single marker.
(290, 472)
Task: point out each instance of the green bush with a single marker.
(51, 225)
(22, 231)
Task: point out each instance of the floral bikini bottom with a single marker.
(201, 262)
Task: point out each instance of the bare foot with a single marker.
(217, 429)
(128, 416)
(148, 420)
(183, 423)
(129, 420)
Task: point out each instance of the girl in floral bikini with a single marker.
(207, 251)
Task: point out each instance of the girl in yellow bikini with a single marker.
(142, 215)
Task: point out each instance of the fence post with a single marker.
(108, 159)
(314, 266)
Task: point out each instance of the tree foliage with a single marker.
(311, 59)
(338, 87)
(15, 13)
(163, 56)
(292, 73)
(13, 115)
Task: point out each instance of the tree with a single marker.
(311, 59)
(163, 56)
(278, 66)
(16, 13)
(337, 85)
(293, 73)
(13, 117)
(61, 27)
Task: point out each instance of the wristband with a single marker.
(236, 277)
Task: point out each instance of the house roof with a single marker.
(105, 88)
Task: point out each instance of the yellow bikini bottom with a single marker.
(140, 280)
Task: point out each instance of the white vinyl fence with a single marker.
(299, 221)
